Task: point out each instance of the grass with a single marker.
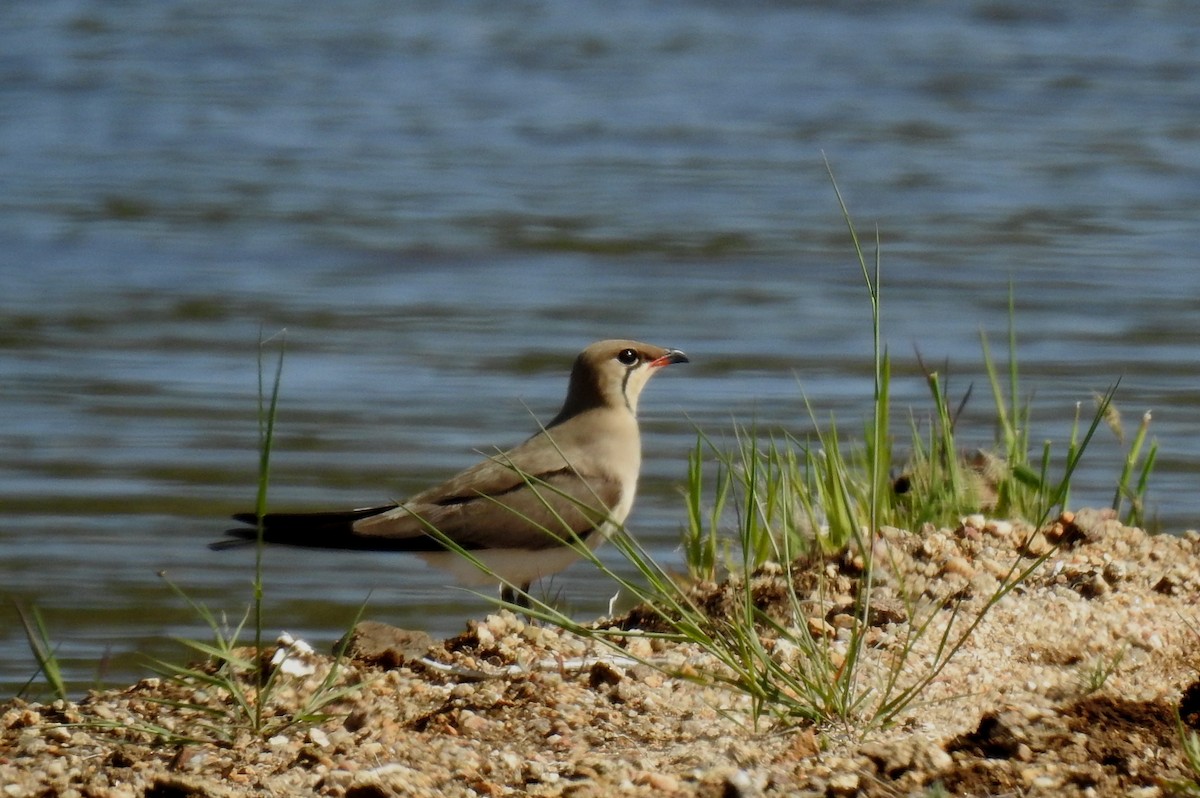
(1096, 675)
(1192, 752)
(1189, 741)
(236, 690)
(241, 691)
(1128, 489)
(812, 498)
(44, 652)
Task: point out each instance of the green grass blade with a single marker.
(43, 650)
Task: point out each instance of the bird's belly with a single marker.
(516, 566)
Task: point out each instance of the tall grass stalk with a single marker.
(703, 548)
(878, 447)
(1135, 494)
(247, 685)
(266, 440)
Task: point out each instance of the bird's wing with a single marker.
(526, 511)
(499, 473)
(529, 497)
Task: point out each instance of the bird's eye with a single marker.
(628, 357)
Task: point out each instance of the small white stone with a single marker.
(484, 636)
(843, 784)
(999, 528)
(976, 520)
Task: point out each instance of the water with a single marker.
(442, 205)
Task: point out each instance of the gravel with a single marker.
(1068, 686)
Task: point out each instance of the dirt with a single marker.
(1068, 686)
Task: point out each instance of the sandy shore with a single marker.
(1027, 707)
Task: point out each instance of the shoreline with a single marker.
(1068, 686)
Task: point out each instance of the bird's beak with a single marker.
(672, 356)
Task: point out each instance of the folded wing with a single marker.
(496, 504)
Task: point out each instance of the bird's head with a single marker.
(613, 373)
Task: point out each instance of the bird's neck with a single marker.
(571, 410)
(586, 394)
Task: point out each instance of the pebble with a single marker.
(58, 734)
(819, 627)
(740, 784)
(661, 782)
(1002, 529)
(843, 621)
(843, 784)
(639, 648)
(1115, 572)
(958, 566)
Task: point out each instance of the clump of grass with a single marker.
(942, 481)
(847, 494)
(246, 686)
(1189, 741)
(237, 688)
(1096, 675)
(45, 652)
(1134, 492)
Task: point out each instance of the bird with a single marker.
(521, 513)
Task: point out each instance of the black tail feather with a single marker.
(325, 530)
(234, 542)
(330, 519)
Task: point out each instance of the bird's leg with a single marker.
(512, 595)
